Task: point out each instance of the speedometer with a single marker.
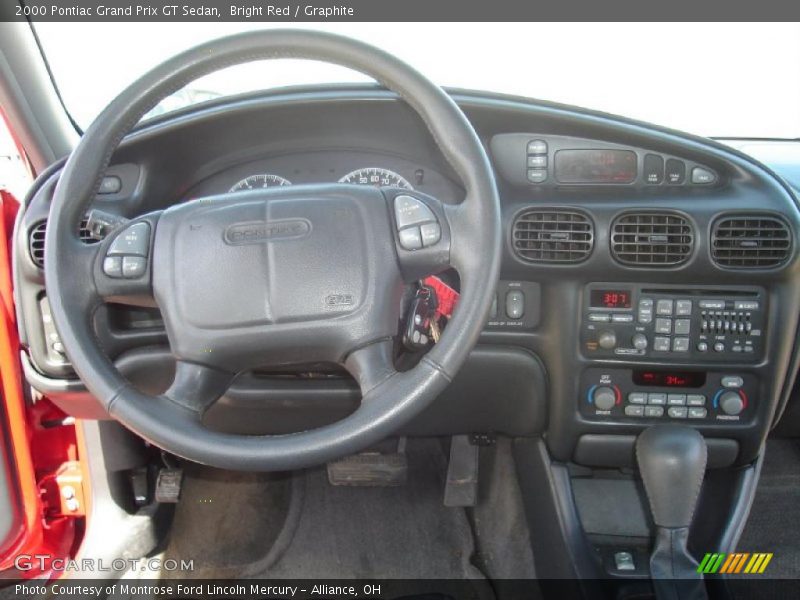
(255, 182)
(376, 176)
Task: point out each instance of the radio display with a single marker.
(684, 379)
(610, 299)
(595, 166)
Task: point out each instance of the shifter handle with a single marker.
(672, 461)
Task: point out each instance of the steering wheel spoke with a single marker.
(122, 265)
(196, 387)
(371, 365)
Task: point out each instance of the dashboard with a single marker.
(648, 276)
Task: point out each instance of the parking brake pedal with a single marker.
(461, 488)
(371, 469)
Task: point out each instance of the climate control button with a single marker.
(604, 398)
(731, 403)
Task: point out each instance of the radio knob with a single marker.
(639, 341)
(604, 398)
(607, 339)
(731, 403)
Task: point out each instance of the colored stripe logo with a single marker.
(736, 562)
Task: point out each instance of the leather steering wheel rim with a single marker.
(388, 403)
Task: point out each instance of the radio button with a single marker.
(599, 317)
(607, 340)
(661, 344)
(664, 307)
(695, 400)
(634, 411)
(645, 310)
(657, 398)
(676, 399)
(683, 308)
(680, 344)
(663, 325)
(639, 341)
(702, 347)
(682, 326)
(697, 413)
(653, 411)
(637, 397)
(719, 347)
(745, 305)
(712, 304)
(732, 381)
(677, 412)
(622, 318)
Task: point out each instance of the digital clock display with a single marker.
(683, 379)
(610, 299)
(596, 166)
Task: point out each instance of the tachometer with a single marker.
(255, 182)
(376, 176)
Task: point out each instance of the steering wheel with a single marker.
(278, 276)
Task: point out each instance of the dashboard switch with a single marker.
(653, 169)
(676, 171)
(702, 176)
(133, 240)
(537, 175)
(515, 304)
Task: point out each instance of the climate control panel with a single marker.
(666, 394)
(625, 321)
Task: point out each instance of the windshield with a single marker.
(725, 80)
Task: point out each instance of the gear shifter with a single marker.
(672, 462)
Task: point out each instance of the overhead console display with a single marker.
(595, 166)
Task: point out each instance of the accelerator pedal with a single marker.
(371, 469)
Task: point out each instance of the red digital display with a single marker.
(610, 299)
(685, 379)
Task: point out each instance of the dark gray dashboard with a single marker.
(529, 372)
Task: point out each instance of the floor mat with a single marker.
(299, 526)
(774, 521)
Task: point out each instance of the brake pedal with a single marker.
(461, 488)
(371, 469)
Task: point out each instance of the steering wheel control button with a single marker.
(410, 211)
(411, 238)
(732, 381)
(430, 233)
(112, 266)
(515, 304)
(702, 176)
(133, 266)
(133, 240)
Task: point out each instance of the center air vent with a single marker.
(36, 241)
(750, 241)
(552, 236)
(651, 239)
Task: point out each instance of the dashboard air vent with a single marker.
(750, 242)
(552, 236)
(651, 239)
(36, 241)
